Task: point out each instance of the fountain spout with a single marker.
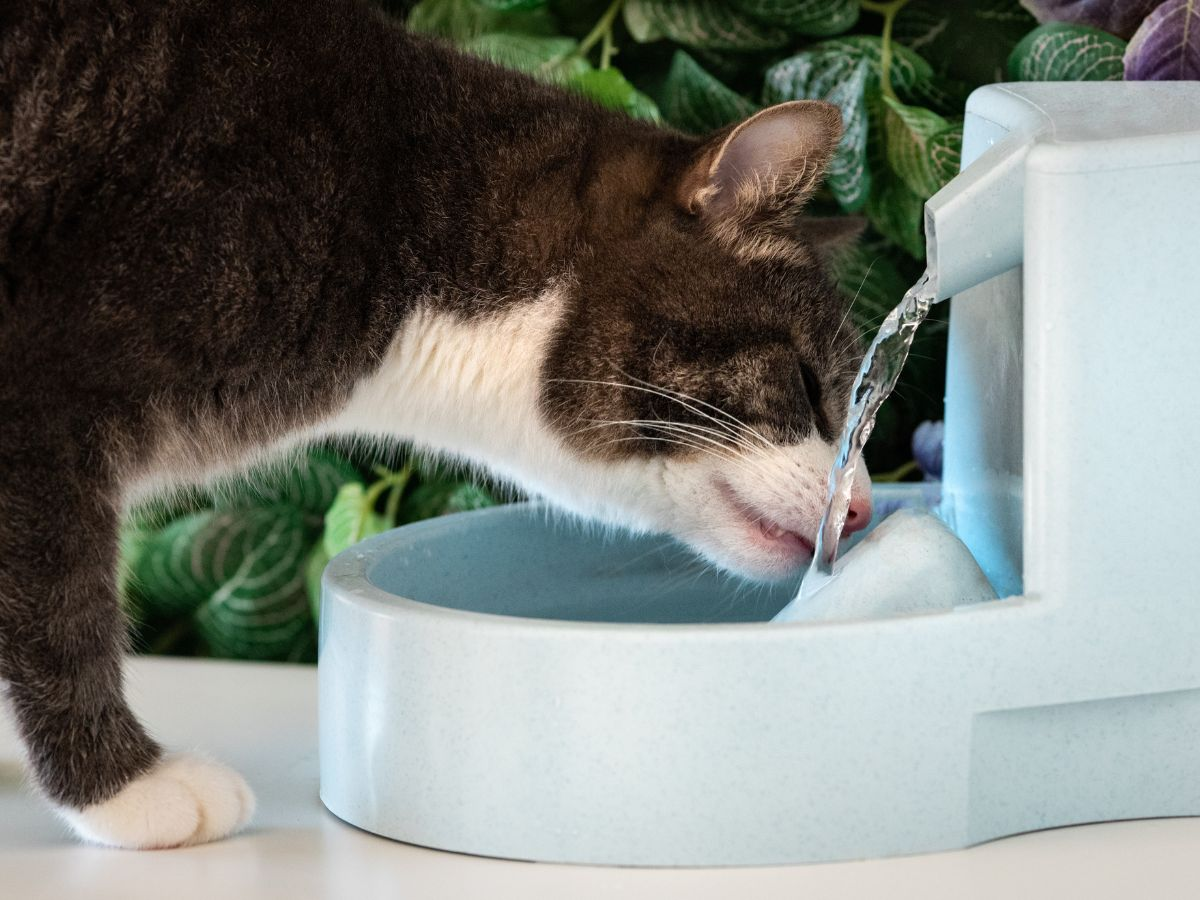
(974, 226)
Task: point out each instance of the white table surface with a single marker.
(262, 719)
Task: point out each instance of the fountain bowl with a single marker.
(506, 683)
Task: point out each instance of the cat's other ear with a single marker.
(831, 236)
(755, 175)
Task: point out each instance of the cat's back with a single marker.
(101, 91)
(78, 82)
(171, 170)
(137, 136)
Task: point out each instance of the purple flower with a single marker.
(927, 448)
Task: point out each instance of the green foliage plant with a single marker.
(235, 570)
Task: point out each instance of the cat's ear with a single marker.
(752, 175)
(777, 154)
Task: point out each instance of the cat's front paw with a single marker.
(183, 800)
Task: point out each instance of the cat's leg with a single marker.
(62, 639)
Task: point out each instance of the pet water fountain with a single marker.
(498, 684)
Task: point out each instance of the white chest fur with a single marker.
(470, 388)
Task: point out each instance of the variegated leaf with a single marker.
(817, 18)
(910, 130)
(1062, 52)
(700, 23)
(261, 611)
(696, 101)
(1167, 45)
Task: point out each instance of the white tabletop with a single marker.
(262, 720)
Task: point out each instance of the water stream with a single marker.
(876, 378)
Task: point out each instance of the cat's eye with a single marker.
(812, 386)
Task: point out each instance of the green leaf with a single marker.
(945, 153)
(551, 59)
(133, 542)
(842, 80)
(696, 101)
(699, 23)
(817, 18)
(342, 521)
(728, 66)
(510, 5)
(897, 212)
(871, 279)
(462, 20)
(467, 497)
(164, 508)
(350, 519)
(526, 53)
(426, 501)
(308, 483)
(577, 17)
(846, 72)
(967, 41)
(908, 68)
(183, 564)
(314, 568)
(261, 611)
(304, 649)
(608, 87)
(1058, 51)
(942, 93)
(238, 573)
(910, 132)
(438, 498)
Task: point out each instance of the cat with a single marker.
(230, 228)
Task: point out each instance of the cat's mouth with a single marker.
(764, 531)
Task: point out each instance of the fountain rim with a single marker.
(348, 577)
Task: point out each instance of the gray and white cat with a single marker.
(227, 228)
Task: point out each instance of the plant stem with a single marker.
(888, 11)
(392, 509)
(601, 31)
(170, 637)
(899, 473)
(607, 49)
(395, 481)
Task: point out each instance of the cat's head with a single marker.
(691, 370)
(704, 348)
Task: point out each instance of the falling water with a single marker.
(876, 378)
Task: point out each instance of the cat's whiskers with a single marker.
(751, 459)
(738, 434)
(853, 300)
(752, 465)
(681, 396)
(723, 438)
(665, 440)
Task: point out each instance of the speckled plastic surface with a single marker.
(548, 694)
(909, 563)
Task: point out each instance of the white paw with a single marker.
(184, 800)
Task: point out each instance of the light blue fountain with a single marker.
(549, 694)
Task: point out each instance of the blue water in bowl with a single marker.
(518, 561)
(521, 561)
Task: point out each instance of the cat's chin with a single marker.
(744, 551)
(756, 516)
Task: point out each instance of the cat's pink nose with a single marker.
(858, 516)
